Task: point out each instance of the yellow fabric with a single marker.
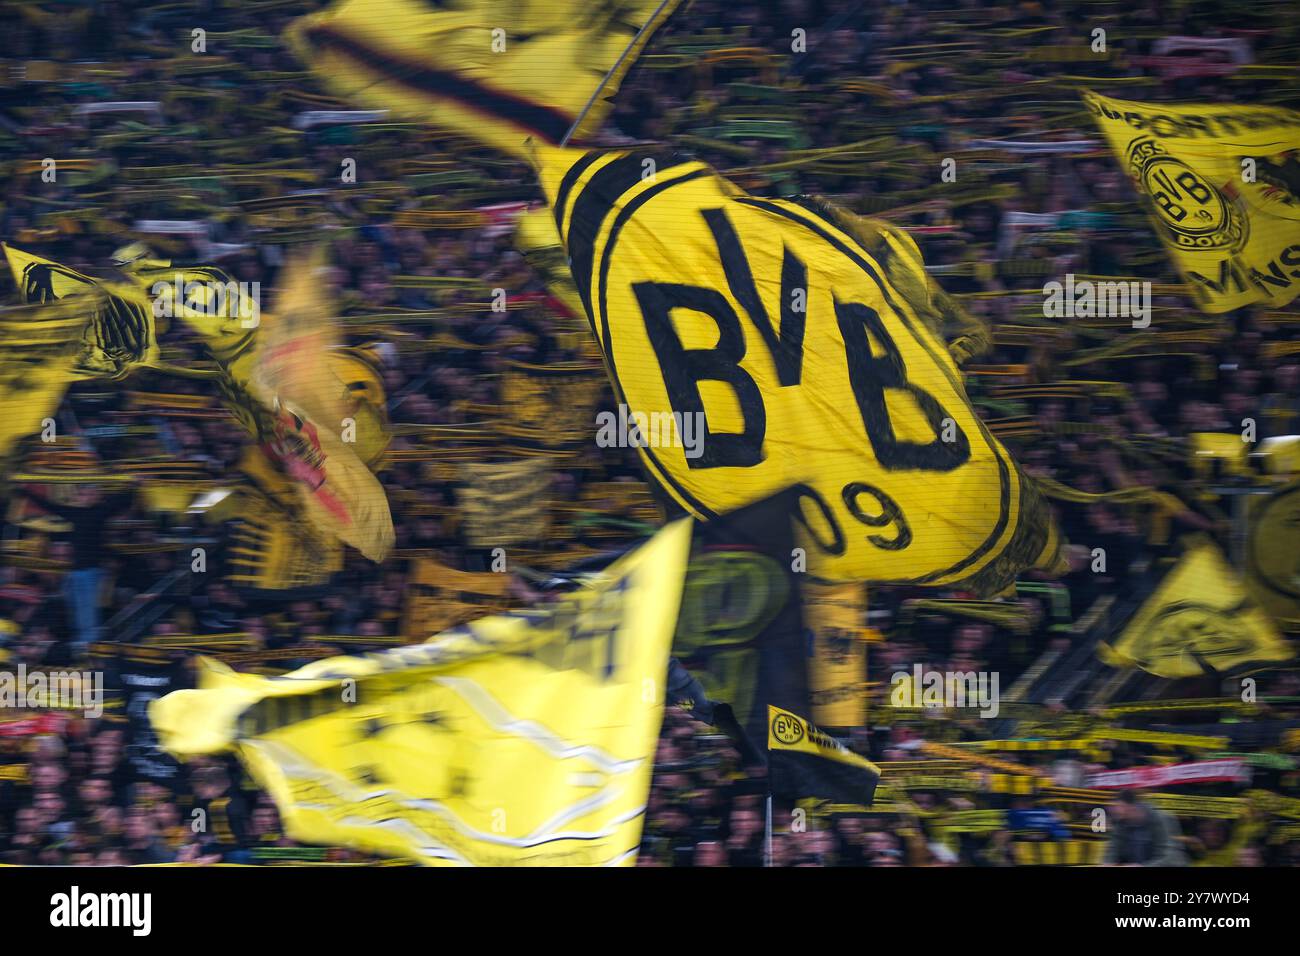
(809, 368)
(835, 616)
(1198, 617)
(496, 71)
(1236, 241)
(438, 597)
(315, 431)
(39, 362)
(119, 332)
(536, 237)
(787, 731)
(514, 740)
(1273, 555)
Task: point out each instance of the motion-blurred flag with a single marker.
(1273, 555)
(1223, 183)
(524, 739)
(504, 502)
(1199, 620)
(119, 333)
(38, 361)
(497, 71)
(775, 333)
(439, 597)
(803, 761)
(270, 551)
(538, 240)
(835, 616)
(313, 433)
(280, 375)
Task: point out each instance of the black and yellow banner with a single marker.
(740, 631)
(272, 551)
(806, 762)
(835, 616)
(493, 70)
(550, 406)
(524, 739)
(805, 367)
(1223, 183)
(1199, 620)
(439, 597)
(504, 503)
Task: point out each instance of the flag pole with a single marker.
(767, 831)
(653, 21)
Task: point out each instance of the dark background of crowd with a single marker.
(75, 795)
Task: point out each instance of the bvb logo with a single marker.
(1203, 632)
(1194, 213)
(1273, 547)
(787, 729)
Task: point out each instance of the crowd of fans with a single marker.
(910, 82)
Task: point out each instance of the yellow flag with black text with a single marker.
(803, 761)
(774, 332)
(497, 71)
(522, 739)
(1223, 184)
(1199, 620)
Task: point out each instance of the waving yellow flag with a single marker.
(524, 739)
(1223, 183)
(119, 333)
(767, 330)
(497, 71)
(42, 344)
(1198, 620)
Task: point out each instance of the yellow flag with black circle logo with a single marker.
(1273, 555)
(1199, 620)
(522, 739)
(804, 761)
(1223, 187)
(497, 71)
(776, 334)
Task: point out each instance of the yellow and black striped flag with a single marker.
(804, 761)
(497, 71)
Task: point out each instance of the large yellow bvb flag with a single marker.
(521, 739)
(772, 331)
(498, 71)
(1223, 187)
